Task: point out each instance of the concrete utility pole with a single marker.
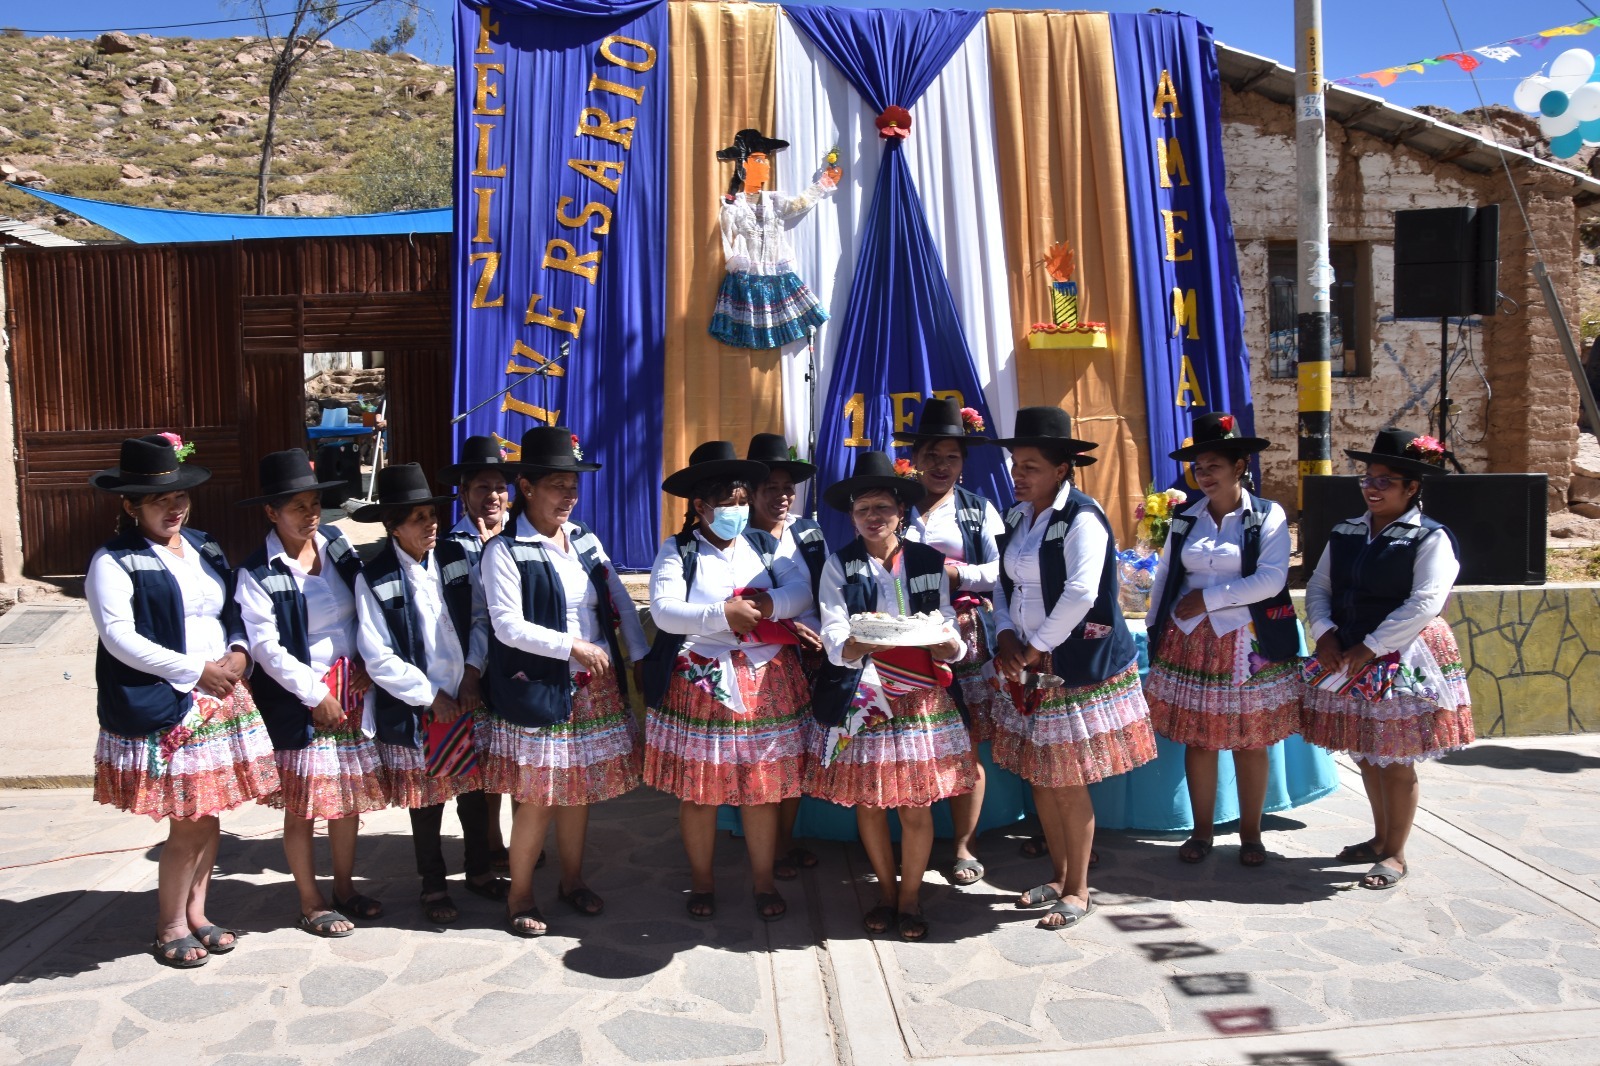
(1314, 292)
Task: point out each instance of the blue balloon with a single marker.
(1590, 130)
(1566, 146)
(1596, 75)
(1554, 103)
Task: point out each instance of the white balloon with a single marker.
(1586, 102)
(1571, 69)
(1555, 126)
(1529, 92)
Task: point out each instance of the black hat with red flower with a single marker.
(1219, 432)
(1404, 452)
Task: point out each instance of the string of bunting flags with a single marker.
(1470, 61)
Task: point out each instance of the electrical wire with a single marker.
(167, 26)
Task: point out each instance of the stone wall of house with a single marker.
(1514, 401)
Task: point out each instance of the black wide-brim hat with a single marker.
(772, 452)
(284, 474)
(715, 460)
(149, 466)
(1394, 448)
(477, 453)
(403, 486)
(549, 450)
(1218, 432)
(874, 473)
(748, 141)
(940, 420)
(1047, 427)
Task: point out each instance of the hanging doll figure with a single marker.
(762, 302)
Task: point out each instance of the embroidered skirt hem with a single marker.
(1193, 698)
(339, 774)
(975, 676)
(920, 756)
(593, 756)
(406, 770)
(761, 311)
(1078, 735)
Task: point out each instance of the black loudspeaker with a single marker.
(339, 462)
(1500, 521)
(1446, 261)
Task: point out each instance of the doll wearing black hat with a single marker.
(180, 737)
(297, 596)
(1373, 607)
(1072, 712)
(724, 688)
(1223, 579)
(423, 635)
(763, 303)
(919, 752)
(557, 733)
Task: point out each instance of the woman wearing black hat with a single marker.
(763, 303)
(1391, 690)
(725, 700)
(480, 477)
(423, 636)
(799, 538)
(556, 733)
(964, 526)
(180, 737)
(297, 596)
(914, 751)
(1072, 712)
(1225, 643)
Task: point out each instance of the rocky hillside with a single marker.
(177, 122)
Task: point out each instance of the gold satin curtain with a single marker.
(1061, 177)
(724, 79)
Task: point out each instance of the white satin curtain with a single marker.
(955, 164)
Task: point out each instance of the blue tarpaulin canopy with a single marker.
(153, 225)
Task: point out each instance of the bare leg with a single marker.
(204, 865)
(1250, 768)
(964, 813)
(181, 858)
(761, 841)
(1200, 768)
(1401, 791)
(698, 824)
(342, 833)
(529, 825)
(298, 835)
(1374, 786)
(1070, 842)
(572, 832)
(916, 844)
(873, 824)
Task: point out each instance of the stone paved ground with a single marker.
(1487, 954)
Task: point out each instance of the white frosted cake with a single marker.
(908, 631)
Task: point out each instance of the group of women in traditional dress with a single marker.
(496, 660)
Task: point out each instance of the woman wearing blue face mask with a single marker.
(724, 693)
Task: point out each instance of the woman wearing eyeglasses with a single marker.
(1387, 684)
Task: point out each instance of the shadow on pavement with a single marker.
(1495, 757)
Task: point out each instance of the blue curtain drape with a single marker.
(574, 8)
(537, 70)
(1203, 261)
(900, 333)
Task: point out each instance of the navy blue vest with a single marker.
(662, 658)
(288, 720)
(971, 511)
(469, 543)
(813, 549)
(1371, 580)
(1079, 660)
(130, 702)
(1276, 629)
(399, 722)
(836, 685)
(536, 690)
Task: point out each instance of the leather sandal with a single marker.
(210, 937)
(169, 953)
(1194, 850)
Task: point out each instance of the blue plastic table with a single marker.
(1153, 798)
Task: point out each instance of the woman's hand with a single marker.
(1357, 657)
(949, 650)
(742, 614)
(809, 639)
(444, 709)
(469, 695)
(1329, 653)
(1009, 656)
(328, 713)
(855, 650)
(215, 680)
(360, 680)
(1191, 604)
(592, 657)
(235, 664)
(762, 599)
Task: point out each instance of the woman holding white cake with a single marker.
(889, 736)
(1072, 712)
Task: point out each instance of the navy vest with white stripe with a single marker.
(399, 722)
(1371, 580)
(836, 685)
(662, 659)
(536, 690)
(130, 702)
(288, 720)
(1079, 660)
(813, 549)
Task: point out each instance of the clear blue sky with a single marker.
(1361, 35)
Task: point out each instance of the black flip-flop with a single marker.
(1070, 911)
(176, 947)
(210, 935)
(1362, 852)
(527, 932)
(318, 926)
(707, 900)
(962, 865)
(584, 901)
(911, 926)
(358, 906)
(882, 916)
(770, 899)
(1195, 847)
(434, 909)
(1387, 876)
(496, 888)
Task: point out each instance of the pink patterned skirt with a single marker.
(702, 750)
(216, 759)
(406, 770)
(1430, 715)
(592, 756)
(977, 691)
(920, 756)
(1077, 735)
(338, 775)
(1195, 700)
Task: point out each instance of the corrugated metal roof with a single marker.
(1354, 109)
(14, 232)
